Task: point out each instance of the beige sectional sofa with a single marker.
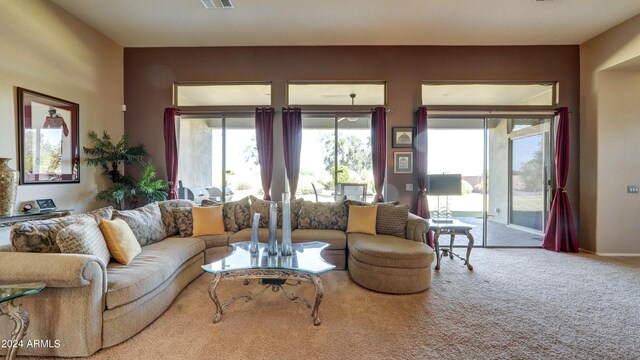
(88, 305)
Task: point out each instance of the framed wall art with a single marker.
(403, 162)
(402, 137)
(47, 139)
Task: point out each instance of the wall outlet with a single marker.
(633, 189)
(408, 187)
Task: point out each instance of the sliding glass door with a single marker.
(505, 169)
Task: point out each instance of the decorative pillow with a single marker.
(362, 219)
(145, 222)
(242, 210)
(102, 213)
(84, 237)
(170, 226)
(184, 220)
(296, 206)
(262, 207)
(120, 240)
(228, 213)
(321, 215)
(40, 235)
(207, 220)
(392, 219)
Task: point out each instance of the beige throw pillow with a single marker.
(121, 241)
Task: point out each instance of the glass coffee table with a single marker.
(276, 271)
(19, 316)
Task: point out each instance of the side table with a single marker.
(20, 316)
(452, 228)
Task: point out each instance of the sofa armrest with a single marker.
(54, 269)
(416, 228)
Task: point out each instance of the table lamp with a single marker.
(444, 185)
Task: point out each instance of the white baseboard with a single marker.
(617, 254)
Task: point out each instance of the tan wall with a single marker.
(150, 72)
(47, 50)
(609, 134)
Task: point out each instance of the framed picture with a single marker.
(402, 137)
(403, 162)
(48, 139)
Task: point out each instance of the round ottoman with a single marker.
(389, 264)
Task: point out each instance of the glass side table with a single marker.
(453, 228)
(20, 316)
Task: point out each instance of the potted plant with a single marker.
(125, 190)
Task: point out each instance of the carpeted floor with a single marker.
(516, 304)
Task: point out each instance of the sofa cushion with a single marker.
(336, 239)
(212, 241)
(184, 220)
(392, 219)
(296, 206)
(228, 213)
(150, 269)
(145, 222)
(40, 235)
(245, 235)
(389, 251)
(207, 220)
(262, 206)
(362, 219)
(242, 212)
(321, 215)
(170, 226)
(84, 237)
(121, 241)
(102, 213)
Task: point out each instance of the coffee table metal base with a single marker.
(279, 274)
(20, 318)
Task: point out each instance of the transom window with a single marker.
(487, 94)
(326, 93)
(222, 94)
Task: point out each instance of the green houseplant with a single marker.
(125, 190)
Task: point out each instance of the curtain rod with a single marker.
(363, 111)
(488, 113)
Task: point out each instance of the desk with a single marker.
(452, 228)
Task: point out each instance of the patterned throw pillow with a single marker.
(84, 237)
(262, 207)
(170, 226)
(102, 213)
(40, 235)
(228, 213)
(242, 210)
(145, 222)
(392, 219)
(320, 215)
(184, 220)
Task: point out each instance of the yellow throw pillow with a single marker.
(362, 219)
(121, 242)
(207, 220)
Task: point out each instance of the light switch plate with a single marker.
(633, 189)
(409, 187)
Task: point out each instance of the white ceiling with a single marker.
(160, 23)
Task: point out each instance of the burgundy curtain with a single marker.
(379, 149)
(264, 140)
(292, 142)
(560, 234)
(421, 166)
(171, 150)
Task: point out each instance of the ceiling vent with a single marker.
(217, 4)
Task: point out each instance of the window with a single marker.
(371, 94)
(219, 152)
(542, 94)
(222, 94)
(336, 150)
